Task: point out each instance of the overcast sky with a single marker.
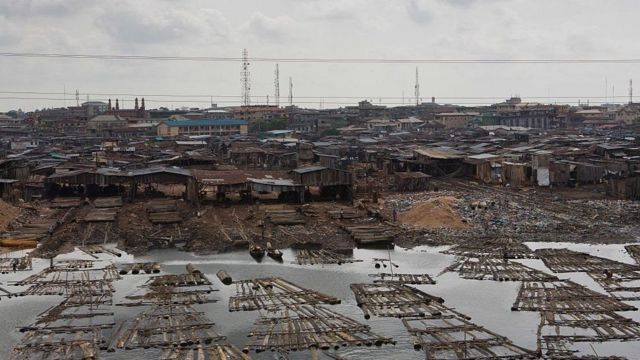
(406, 29)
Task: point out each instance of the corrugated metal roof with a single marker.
(440, 153)
(309, 169)
(206, 122)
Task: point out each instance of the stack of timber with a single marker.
(622, 285)
(564, 260)
(453, 337)
(66, 203)
(285, 217)
(140, 268)
(9, 264)
(499, 248)
(486, 268)
(108, 202)
(344, 213)
(92, 250)
(375, 236)
(164, 211)
(414, 279)
(166, 326)
(323, 257)
(29, 234)
(395, 300)
(274, 293)
(305, 327)
(565, 296)
(101, 215)
(634, 251)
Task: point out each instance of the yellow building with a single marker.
(213, 127)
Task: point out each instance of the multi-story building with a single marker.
(454, 120)
(212, 127)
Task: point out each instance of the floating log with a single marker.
(297, 328)
(565, 296)
(486, 268)
(497, 248)
(415, 279)
(565, 260)
(452, 337)
(224, 277)
(324, 257)
(273, 293)
(395, 300)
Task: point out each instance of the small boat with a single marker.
(256, 251)
(275, 254)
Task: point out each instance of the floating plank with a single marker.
(634, 251)
(565, 260)
(452, 337)
(273, 293)
(323, 257)
(10, 264)
(486, 268)
(139, 268)
(395, 300)
(178, 326)
(622, 285)
(415, 279)
(499, 248)
(303, 327)
(565, 296)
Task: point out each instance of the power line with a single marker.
(208, 96)
(319, 60)
(237, 102)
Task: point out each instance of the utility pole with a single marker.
(630, 91)
(77, 98)
(276, 83)
(290, 91)
(245, 79)
(417, 88)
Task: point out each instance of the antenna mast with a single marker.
(245, 79)
(77, 98)
(290, 91)
(417, 88)
(277, 86)
(630, 91)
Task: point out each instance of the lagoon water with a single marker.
(487, 302)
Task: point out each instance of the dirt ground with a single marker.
(8, 213)
(438, 212)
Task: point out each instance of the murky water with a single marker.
(487, 302)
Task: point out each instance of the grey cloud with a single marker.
(52, 8)
(417, 13)
(270, 28)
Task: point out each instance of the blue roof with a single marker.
(206, 122)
